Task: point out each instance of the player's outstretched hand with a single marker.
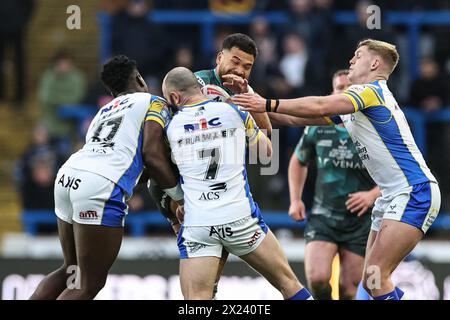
(252, 102)
(359, 202)
(297, 210)
(235, 83)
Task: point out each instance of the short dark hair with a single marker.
(116, 73)
(242, 42)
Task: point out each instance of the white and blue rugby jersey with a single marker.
(208, 143)
(113, 147)
(383, 138)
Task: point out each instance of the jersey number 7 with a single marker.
(213, 164)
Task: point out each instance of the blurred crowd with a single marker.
(296, 59)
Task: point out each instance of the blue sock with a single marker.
(388, 296)
(400, 293)
(362, 294)
(302, 295)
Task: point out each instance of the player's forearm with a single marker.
(307, 107)
(263, 122)
(296, 178)
(314, 107)
(160, 170)
(293, 121)
(261, 149)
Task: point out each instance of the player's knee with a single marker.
(347, 291)
(318, 279)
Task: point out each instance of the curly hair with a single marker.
(242, 42)
(116, 73)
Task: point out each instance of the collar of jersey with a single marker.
(376, 82)
(196, 104)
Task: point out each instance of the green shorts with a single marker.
(350, 233)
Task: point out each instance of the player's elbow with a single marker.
(324, 109)
(325, 106)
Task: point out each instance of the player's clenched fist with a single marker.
(297, 210)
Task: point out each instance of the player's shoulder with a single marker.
(158, 109)
(229, 110)
(204, 77)
(158, 104)
(158, 101)
(235, 109)
(139, 96)
(366, 87)
(366, 95)
(357, 88)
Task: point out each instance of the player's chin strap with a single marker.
(272, 105)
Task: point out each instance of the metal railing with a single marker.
(413, 21)
(139, 223)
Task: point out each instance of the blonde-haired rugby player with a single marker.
(410, 198)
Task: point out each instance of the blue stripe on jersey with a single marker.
(181, 246)
(257, 214)
(114, 210)
(247, 191)
(377, 89)
(380, 114)
(389, 133)
(128, 180)
(242, 114)
(418, 205)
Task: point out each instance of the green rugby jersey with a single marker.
(205, 77)
(339, 169)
